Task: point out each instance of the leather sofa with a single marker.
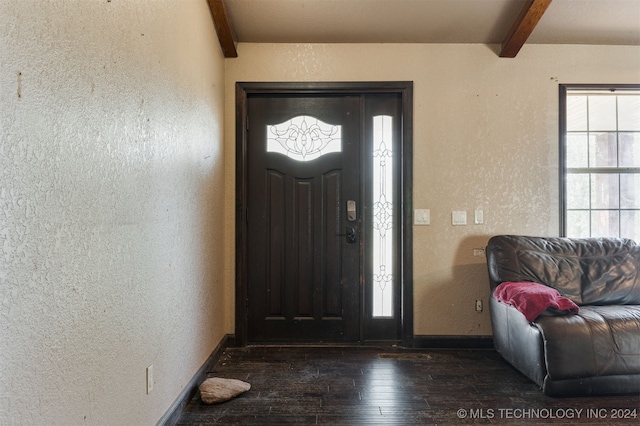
(594, 351)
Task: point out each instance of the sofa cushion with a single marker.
(598, 341)
(599, 271)
(613, 279)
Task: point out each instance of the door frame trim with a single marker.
(405, 89)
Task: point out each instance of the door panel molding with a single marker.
(405, 90)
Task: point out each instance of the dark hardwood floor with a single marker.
(365, 386)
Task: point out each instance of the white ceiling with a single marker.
(608, 22)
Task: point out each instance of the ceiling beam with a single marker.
(224, 29)
(522, 27)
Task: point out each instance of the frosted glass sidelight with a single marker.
(383, 224)
(304, 138)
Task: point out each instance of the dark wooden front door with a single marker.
(304, 218)
(323, 213)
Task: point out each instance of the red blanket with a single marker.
(532, 299)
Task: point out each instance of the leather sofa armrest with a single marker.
(518, 341)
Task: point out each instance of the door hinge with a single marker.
(247, 123)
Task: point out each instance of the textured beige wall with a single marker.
(111, 187)
(485, 136)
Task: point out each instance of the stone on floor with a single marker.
(215, 390)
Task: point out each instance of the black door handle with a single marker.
(350, 234)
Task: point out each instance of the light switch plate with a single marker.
(422, 217)
(459, 217)
(149, 379)
(479, 217)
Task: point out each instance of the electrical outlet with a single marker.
(149, 379)
(478, 305)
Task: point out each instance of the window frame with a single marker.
(563, 91)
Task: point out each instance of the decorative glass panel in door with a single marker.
(383, 307)
(383, 223)
(304, 138)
